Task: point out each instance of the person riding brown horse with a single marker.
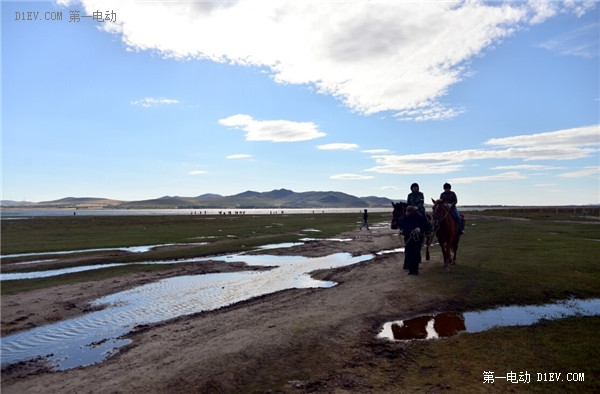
(446, 231)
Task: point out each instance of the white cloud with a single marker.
(567, 144)
(351, 177)
(239, 156)
(389, 188)
(507, 176)
(527, 167)
(337, 146)
(197, 172)
(273, 130)
(583, 41)
(374, 56)
(376, 151)
(151, 101)
(591, 171)
(581, 136)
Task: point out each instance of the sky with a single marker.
(134, 100)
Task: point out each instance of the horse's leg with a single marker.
(455, 249)
(427, 243)
(446, 252)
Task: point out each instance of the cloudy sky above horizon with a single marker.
(156, 98)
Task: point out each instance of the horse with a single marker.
(398, 212)
(447, 231)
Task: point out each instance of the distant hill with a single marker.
(280, 198)
(73, 202)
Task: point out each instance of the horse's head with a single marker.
(440, 210)
(399, 210)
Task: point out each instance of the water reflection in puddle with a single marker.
(448, 324)
(93, 337)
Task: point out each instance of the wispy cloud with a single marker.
(527, 167)
(273, 130)
(337, 146)
(377, 151)
(582, 42)
(592, 171)
(507, 176)
(374, 56)
(197, 172)
(351, 177)
(557, 145)
(151, 101)
(239, 156)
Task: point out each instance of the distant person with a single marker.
(416, 198)
(449, 197)
(365, 220)
(412, 226)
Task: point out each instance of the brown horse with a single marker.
(399, 211)
(446, 231)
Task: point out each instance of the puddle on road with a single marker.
(93, 337)
(449, 324)
(398, 250)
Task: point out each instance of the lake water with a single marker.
(20, 213)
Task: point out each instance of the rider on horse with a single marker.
(416, 198)
(449, 197)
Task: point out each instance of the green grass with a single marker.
(48, 234)
(551, 256)
(523, 262)
(222, 234)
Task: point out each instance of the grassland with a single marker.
(505, 258)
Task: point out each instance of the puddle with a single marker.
(93, 337)
(63, 271)
(131, 249)
(449, 324)
(326, 239)
(49, 273)
(398, 250)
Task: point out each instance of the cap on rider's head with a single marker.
(447, 186)
(414, 185)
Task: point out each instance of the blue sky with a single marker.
(501, 99)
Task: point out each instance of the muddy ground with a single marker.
(300, 340)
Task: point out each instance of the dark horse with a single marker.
(446, 231)
(399, 211)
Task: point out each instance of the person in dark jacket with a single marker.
(416, 198)
(365, 220)
(412, 226)
(449, 197)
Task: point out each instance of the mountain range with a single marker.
(281, 198)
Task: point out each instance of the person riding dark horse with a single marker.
(449, 197)
(416, 198)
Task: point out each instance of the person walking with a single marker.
(412, 225)
(365, 220)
